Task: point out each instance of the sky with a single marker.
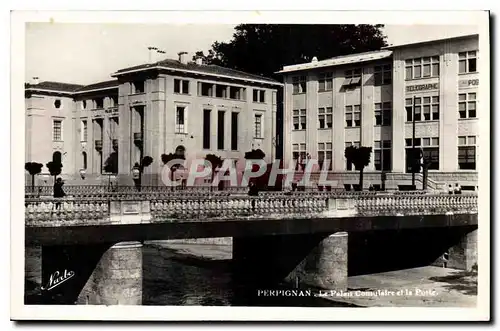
(88, 53)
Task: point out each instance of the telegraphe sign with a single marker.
(464, 83)
(422, 87)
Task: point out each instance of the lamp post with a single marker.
(83, 173)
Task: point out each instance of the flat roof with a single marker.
(423, 42)
(339, 60)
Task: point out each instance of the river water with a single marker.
(171, 278)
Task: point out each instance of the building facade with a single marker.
(369, 99)
(170, 106)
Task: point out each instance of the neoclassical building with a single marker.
(369, 99)
(148, 110)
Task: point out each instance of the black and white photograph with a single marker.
(257, 160)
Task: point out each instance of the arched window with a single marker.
(84, 160)
(180, 150)
(56, 157)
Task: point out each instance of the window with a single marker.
(325, 117)
(84, 160)
(57, 157)
(84, 130)
(236, 93)
(258, 126)
(57, 130)
(206, 89)
(382, 155)
(221, 91)
(180, 119)
(84, 104)
(299, 153)
(57, 103)
(181, 86)
(325, 81)
(353, 116)
(467, 152)
(382, 75)
(259, 95)
(299, 119)
(99, 103)
(206, 128)
(383, 113)
(467, 62)
(429, 148)
(114, 100)
(352, 78)
(347, 144)
(467, 105)
(325, 154)
(234, 131)
(422, 67)
(138, 87)
(425, 108)
(299, 84)
(220, 129)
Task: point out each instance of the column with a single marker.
(338, 131)
(117, 278)
(367, 114)
(312, 115)
(398, 113)
(287, 121)
(448, 121)
(213, 128)
(106, 139)
(125, 139)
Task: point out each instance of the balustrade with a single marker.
(272, 204)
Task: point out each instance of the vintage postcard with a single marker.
(250, 166)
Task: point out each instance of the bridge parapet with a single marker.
(40, 212)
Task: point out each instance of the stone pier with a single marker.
(318, 260)
(463, 255)
(326, 265)
(117, 278)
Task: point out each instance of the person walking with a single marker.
(450, 189)
(458, 189)
(59, 191)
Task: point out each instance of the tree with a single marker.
(360, 157)
(146, 162)
(55, 169)
(166, 158)
(33, 168)
(111, 164)
(257, 154)
(263, 49)
(215, 162)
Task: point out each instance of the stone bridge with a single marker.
(315, 238)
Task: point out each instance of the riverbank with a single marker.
(216, 249)
(417, 287)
